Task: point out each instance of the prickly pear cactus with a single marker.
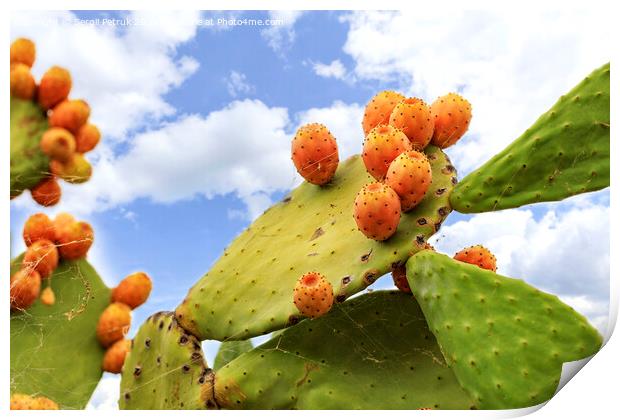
(504, 339)
(371, 352)
(565, 152)
(229, 351)
(165, 369)
(54, 349)
(248, 291)
(28, 164)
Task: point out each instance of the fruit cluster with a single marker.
(115, 320)
(69, 135)
(397, 130)
(48, 242)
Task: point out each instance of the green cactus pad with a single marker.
(249, 290)
(229, 351)
(565, 152)
(28, 164)
(371, 352)
(165, 369)
(505, 340)
(54, 349)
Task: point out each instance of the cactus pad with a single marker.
(28, 164)
(565, 152)
(165, 369)
(54, 349)
(249, 290)
(505, 340)
(371, 352)
(229, 351)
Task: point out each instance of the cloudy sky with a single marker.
(197, 122)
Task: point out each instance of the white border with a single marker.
(592, 393)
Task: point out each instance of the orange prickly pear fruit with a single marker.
(25, 288)
(47, 192)
(23, 85)
(451, 114)
(70, 114)
(114, 356)
(87, 138)
(133, 290)
(379, 109)
(410, 176)
(41, 256)
(38, 226)
(113, 324)
(381, 147)
(43, 403)
(74, 240)
(23, 51)
(399, 275)
(477, 255)
(54, 87)
(58, 144)
(377, 211)
(76, 170)
(313, 295)
(315, 153)
(413, 117)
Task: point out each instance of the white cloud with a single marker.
(334, 69)
(237, 84)
(281, 35)
(242, 149)
(345, 123)
(563, 252)
(511, 73)
(123, 72)
(105, 396)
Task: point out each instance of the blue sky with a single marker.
(197, 123)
